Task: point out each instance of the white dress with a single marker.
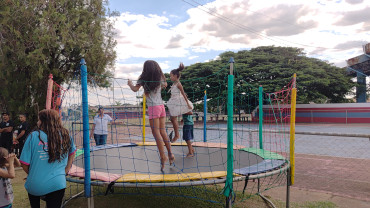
(177, 104)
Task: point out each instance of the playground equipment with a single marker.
(247, 152)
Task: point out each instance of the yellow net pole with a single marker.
(292, 130)
(144, 110)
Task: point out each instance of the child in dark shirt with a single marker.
(188, 132)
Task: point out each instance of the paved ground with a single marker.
(304, 195)
(343, 181)
(347, 177)
(336, 169)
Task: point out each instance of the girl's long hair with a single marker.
(59, 141)
(178, 70)
(151, 76)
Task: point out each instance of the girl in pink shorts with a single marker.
(153, 80)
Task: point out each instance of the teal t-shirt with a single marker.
(188, 119)
(43, 177)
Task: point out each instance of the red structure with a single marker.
(319, 113)
(333, 113)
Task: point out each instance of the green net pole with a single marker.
(205, 117)
(228, 190)
(260, 116)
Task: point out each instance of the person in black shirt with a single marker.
(23, 130)
(6, 130)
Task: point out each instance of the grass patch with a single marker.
(20, 193)
(181, 197)
(154, 197)
(139, 201)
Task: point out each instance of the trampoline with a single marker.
(137, 165)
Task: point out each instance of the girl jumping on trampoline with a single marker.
(179, 103)
(153, 80)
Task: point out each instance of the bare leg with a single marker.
(190, 149)
(155, 126)
(175, 128)
(165, 139)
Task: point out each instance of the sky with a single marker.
(191, 31)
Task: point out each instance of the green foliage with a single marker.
(118, 103)
(39, 38)
(273, 68)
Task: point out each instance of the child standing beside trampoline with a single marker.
(188, 132)
(178, 104)
(153, 80)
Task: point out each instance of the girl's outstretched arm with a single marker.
(179, 85)
(133, 87)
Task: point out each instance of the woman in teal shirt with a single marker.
(47, 157)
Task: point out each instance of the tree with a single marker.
(38, 38)
(273, 68)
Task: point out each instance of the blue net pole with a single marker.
(86, 136)
(205, 117)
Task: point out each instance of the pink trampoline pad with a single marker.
(95, 175)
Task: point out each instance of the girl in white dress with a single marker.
(178, 104)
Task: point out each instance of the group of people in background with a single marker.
(46, 156)
(13, 137)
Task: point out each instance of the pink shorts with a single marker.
(157, 111)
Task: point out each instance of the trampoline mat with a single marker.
(145, 160)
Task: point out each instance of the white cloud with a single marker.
(128, 71)
(144, 36)
(327, 29)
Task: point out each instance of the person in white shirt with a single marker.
(100, 127)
